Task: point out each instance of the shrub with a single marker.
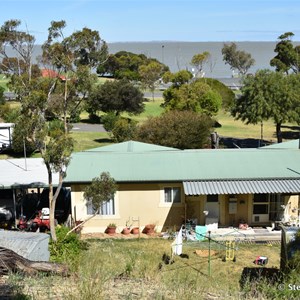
(124, 130)
(178, 129)
(109, 121)
(68, 248)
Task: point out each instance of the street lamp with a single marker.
(162, 53)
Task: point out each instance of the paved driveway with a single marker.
(86, 127)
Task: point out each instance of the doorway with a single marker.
(212, 208)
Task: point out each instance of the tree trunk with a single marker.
(10, 261)
(83, 222)
(51, 204)
(278, 132)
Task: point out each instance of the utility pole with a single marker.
(209, 265)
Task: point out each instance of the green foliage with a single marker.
(150, 74)
(68, 248)
(178, 78)
(8, 114)
(2, 100)
(178, 129)
(109, 120)
(269, 95)
(293, 250)
(237, 59)
(198, 61)
(116, 96)
(125, 65)
(287, 57)
(196, 96)
(100, 190)
(124, 130)
(226, 93)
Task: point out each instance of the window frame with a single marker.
(90, 209)
(163, 202)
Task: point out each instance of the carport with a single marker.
(17, 176)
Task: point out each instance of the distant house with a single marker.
(167, 186)
(48, 73)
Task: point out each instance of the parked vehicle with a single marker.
(40, 223)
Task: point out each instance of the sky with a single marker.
(160, 20)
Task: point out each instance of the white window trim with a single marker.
(107, 217)
(162, 202)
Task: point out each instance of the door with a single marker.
(213, 210)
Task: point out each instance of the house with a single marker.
(48, 73)
(167, 186)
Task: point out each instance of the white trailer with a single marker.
(6, 131)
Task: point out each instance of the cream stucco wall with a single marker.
(142, 204)
(135, 204)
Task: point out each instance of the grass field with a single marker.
(230, 128)
(134, 269)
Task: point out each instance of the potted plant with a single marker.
(111, 229)
(149, 229)
(126, 229)
(135, 230)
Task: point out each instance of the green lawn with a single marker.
(88, 140)
(229, 127)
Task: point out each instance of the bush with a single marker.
(68, 248)
(124, 130)
(8, 114)
(109, 121)
(178, 129)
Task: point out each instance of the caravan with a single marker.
(6, 131)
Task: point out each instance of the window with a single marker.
(107, 208)
(173, 195)
(259, 209)
(260, 204)
(261, 198)
(212, 198)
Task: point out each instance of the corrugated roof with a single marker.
(185, 165)
(131, 146)
(294, 144)
(31, 172)
(193, 188)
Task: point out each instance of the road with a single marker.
(86, 127)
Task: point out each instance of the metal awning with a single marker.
(223, 187)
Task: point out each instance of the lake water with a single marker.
(177, 55)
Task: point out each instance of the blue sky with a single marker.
(160, 20)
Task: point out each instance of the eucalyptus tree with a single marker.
(199, 60)
(71, 58)
(237, 59)
(16, 51)
(269, 95)
(288, 55)
(150, 74)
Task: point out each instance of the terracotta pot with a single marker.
(126, 231)
(149, 229)
(135, 230)
(110, 230)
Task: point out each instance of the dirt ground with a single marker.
(85, 236)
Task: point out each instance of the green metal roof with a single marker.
(183, 165)
(131, 146)
(294, 144)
